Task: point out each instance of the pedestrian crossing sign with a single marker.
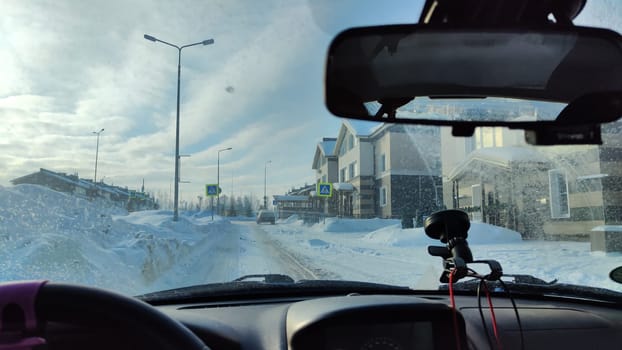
(324, 189)
(211, 190)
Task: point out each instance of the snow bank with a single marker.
(290, 220)
(340, 225)
(45, 234)
(479, 233)
(395, 236)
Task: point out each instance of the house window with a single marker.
(383, 163)
(352, 170)
(558, 191)
(350, 141)
(383, 196)
(342, 175)
(488, 137)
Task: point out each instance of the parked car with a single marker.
(266, 216)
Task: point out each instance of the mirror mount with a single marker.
(389, 107)
(462, 130)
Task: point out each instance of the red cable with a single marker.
(494, 319)
(453, 307)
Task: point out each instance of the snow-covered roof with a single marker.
(325, 148)
(362, 127)
(67, 179)
(328, 146)
(343, 186)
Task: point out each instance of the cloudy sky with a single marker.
(73, 67)
(69, 68)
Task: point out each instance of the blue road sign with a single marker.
(211, 190)
(324, 189)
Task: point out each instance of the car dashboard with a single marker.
(356, 321)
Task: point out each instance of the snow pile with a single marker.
(395, 236)
(479, 233)
(46, 234)
(290, 220)
(340, 225)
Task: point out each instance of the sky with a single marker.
(70, 68)
(73, 67)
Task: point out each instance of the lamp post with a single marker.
(179, 48)
(218, 179)
(265, 181)
(96, 155)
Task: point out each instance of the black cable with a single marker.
(481, 312)
(520, 326)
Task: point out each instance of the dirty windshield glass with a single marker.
(152, 145)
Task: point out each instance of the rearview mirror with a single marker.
(406, 73)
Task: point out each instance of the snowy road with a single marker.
(263, 254)
(245, 248)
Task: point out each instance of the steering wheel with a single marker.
(25, 306)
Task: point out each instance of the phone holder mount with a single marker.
(451, 227)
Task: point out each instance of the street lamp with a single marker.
(179, 48)
(96, 155)
(218, 179)
(265, 177)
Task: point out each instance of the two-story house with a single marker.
(382, 170)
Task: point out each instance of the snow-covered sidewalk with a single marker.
(345, 248)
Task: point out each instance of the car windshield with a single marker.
(140, 140)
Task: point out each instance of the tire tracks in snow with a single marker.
(291, 264)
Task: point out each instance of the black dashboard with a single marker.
(372, 322)
(399, 322)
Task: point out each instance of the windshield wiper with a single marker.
(530, 285)
(266, 278)
(268, 286)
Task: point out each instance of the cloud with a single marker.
(76, 67)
